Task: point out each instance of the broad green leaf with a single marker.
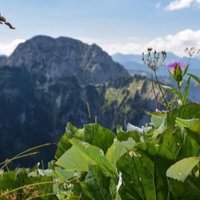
(167, 145)
(118, 149)
(161, 182)
(149, 147)
(170, 143)
(137, 176)
(98, 136)
(92, 133)
(192, 124)
(196, 78)
(63, 174)
(156, 121)
(124, 136)
(184, 112)
(63, 146)
(182, 169)
(158, 131)
(190, 146)
(97, 186)
(74, 160)
(188, 190)
(83, 154)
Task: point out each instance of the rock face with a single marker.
(3, 60)
(48, 82)
(66, 57)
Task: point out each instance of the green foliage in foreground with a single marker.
(93, 163)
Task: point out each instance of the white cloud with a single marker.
(7, 48)
(175, 43)
(181, 4)
(124, 47)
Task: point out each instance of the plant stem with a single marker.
(23, 154)
(28, 185)
(42, 195)
(17, 157)
(160, 88)
(154, 92)
(179, 91)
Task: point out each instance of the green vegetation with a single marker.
(161, 161)
(96, 163)
(130, 90)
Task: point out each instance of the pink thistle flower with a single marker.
(176, 70)
(172, 66)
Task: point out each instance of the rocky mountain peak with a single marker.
(55, 58)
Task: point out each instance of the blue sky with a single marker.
(127, 26)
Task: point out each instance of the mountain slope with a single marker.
(55, 58)
(48, 82)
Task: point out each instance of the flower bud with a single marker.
(176, 70)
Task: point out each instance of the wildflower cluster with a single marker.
(192, 51)
(153, 59)
(177, 70)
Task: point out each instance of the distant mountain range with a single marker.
(133, 63)
(48, 82)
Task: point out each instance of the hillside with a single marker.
(48, 82)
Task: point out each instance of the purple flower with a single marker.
(176, 70)
(172, 66)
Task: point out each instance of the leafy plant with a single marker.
(160, 161)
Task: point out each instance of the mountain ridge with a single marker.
(57, 56)
(133, 62)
